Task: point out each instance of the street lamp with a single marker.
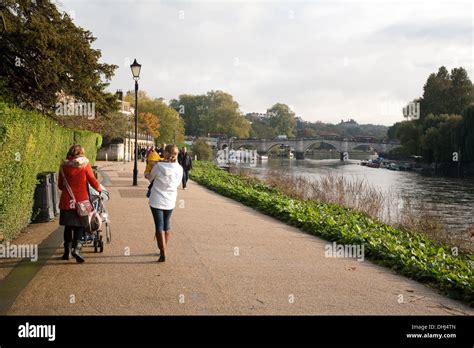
(136, 76)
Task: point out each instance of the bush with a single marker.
(413, 255)
(30, 143)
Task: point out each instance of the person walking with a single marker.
(161, 150)
(165, 176)
(74, 174)
(187, 163)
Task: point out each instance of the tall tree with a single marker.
(192, 109)
(223, 116)
(215, 112)
(446, 93)
(461, 92)
(282, 119)
(43, 53)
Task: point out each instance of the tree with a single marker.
(431, 143)
(468, 132)
(259, 128)
(149, 123)
(43, 54)
(170, 125)
(461, 92)
(202, 150)
(192, 108)
(409, 135)
(223, 116)
(445, 93)
(282, 119)
(392, 131)
(114, 127)
(215, 112)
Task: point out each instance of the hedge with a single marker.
(31, 143)
(412, 255)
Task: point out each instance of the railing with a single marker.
(312, 138)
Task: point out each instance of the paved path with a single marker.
(224, 258)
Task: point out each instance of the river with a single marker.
(451, 199)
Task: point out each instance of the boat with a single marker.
(392, 166)
(372, 164)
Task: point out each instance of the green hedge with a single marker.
(30, 143)
(413, 255)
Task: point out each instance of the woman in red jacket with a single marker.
(78, 172)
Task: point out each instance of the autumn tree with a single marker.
(149, 123)
(170, 126)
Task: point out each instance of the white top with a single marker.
(166, 177)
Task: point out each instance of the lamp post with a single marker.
(136, 76)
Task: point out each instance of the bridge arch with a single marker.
(272, 145)
(370, 146)
(308, 145)
(253, 146)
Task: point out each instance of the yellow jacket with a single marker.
(152, 159)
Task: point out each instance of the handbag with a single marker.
(88, 217)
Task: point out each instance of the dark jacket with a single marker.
(185, 160)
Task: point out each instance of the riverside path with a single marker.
(224, 258)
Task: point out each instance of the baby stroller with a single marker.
(95, 238)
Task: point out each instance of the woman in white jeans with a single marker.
(166, 177)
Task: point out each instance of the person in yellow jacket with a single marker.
(152, 159)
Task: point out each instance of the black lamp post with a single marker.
(136, 76)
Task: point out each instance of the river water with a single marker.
(452, 199)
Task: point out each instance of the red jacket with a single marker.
(78, 172)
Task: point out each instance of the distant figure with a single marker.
(143, 153)
(165, 176)
(161, 150)
(187, 163)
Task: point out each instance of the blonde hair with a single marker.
(171, 153)
(76, 151)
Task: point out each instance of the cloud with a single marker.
(329, 60)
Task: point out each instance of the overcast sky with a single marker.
(328, 60)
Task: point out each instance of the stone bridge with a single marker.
(300, 145)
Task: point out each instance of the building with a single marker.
(125, 150)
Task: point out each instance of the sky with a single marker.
(327, 60)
